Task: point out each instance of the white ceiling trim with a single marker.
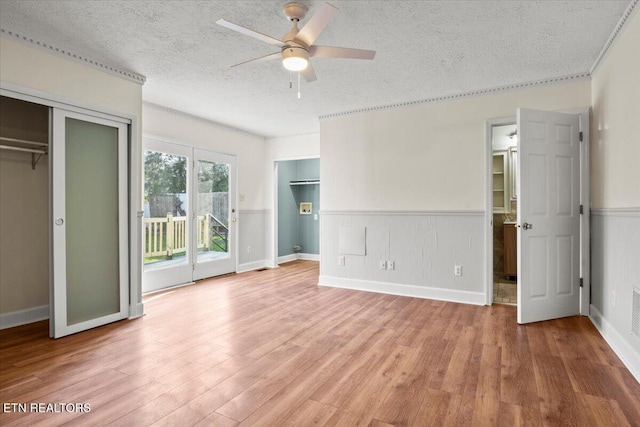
(128, 75)
(614, 35)
(480, 92)
(199, 118)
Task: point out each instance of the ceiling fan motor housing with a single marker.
(295, 11)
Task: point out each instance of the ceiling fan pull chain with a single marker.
(298, 84)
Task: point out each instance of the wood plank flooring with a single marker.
(271, 348)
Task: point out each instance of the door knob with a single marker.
(59, 221)
(527, 226)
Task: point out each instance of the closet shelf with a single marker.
(314, 181)
(23, 145)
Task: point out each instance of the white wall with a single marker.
(615, 184)
(24, 68)
(415, 178)
(250, 152)
(79, 84)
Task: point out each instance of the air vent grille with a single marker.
(635, 312)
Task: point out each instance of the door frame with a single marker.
(272, 262)
(585, 200)
(136, 307)
(190, 180)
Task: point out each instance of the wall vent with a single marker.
(635, 312)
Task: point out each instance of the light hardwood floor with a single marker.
(272, 348)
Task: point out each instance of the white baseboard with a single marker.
(250, 266)
(629, 356)
(309, 257)
(450, 295)
(294, 257)
(287, 258)
(22, 317)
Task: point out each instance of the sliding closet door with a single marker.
(90, 282)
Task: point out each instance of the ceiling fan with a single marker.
(296, 47)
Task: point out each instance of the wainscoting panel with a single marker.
(615, 256)
(423, 246)
(251, 234)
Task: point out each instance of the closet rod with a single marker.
(27, 150)
(23, 141)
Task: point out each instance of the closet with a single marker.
(24, 208)
(298, 210)
(64, 226)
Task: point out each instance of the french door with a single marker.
(214, 213)
(89, 230)
(189, 215)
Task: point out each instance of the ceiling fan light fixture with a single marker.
(295, 58)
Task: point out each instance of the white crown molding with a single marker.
(614, 35)
(199, 119)
(479, 92)
(127, 75)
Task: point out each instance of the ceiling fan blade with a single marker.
(246, 31)
(308, 74)
(314, 26)
(340, 52)
(268, 57)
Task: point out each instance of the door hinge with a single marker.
(193, 268)
(581, 135)
(581, 209)
(581, 282)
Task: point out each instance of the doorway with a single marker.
(504, 142)
(189, 214)
(76, 180)
(297, 207)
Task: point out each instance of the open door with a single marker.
(548, 215)
(90, 250)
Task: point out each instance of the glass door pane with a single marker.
(216, 216)
(167, 219)
(91, 170)
(90, 242)
(165, 209)
(213, 210)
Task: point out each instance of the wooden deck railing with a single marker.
(168, 236)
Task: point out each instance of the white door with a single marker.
(548, 215)
(168, 257)
(89, 230)
(214, 214)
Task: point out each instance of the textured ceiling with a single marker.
(425, 49)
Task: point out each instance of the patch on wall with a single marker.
(352, 240)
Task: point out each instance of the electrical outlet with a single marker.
(383, 265)
(341, 260)
(242, 197)
(248, 249)
(391, 265)
(457, 270)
